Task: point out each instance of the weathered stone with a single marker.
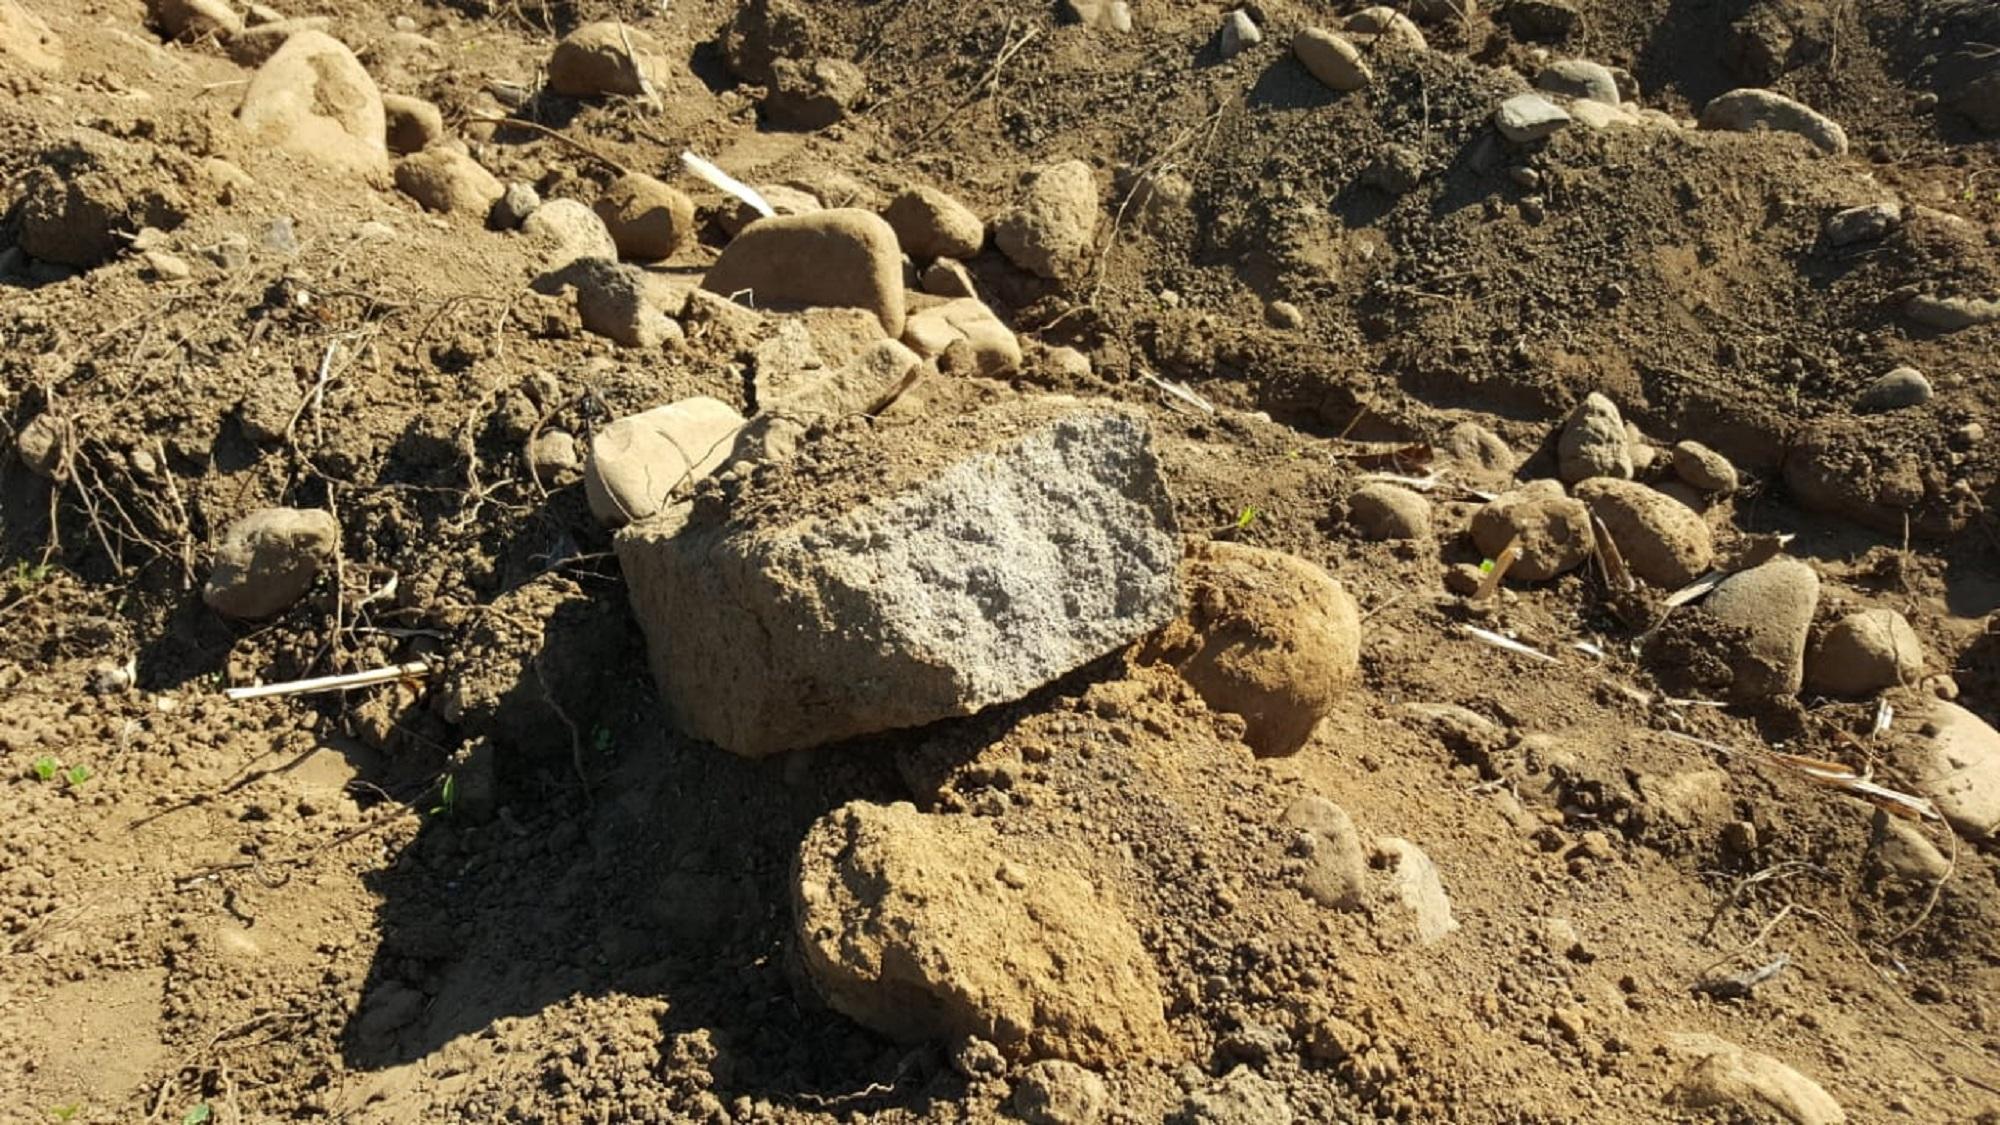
(254, 45)
(1551, 530)
(1239, 33)
(948, 278)
(413, 123)
(1951, 314)
(1382, 23)
(1662, 540)
(1333, 59)
(1869, 223)
(1414, 883)
(993, 346)
(1579, 78)
(268, 559)
(314, 99)
(648, 219)
(1389, 511)
(864, 592)
(640, 463)
(570, 232)
(517, 202)
(189, 20)
(615, 301)
(845, 257)
(1526, 118)
(43, 445)
(813, 93)
(937, 927)
(1899, 389)
(1958, 767)
(1865, 652)
(1704, 468)
(1053, 228)
(1748, 1085)
(1105, 15)
(443, 179)
(930, 224)
(1772, 608)
(863, 385)
(1752, 110)
(1594, 442)
(603, 58)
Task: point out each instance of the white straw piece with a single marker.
(1508, 643)
(415, 669)
(724, 182)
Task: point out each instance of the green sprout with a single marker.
(1486, 566)
(46, 767)
(65, 1112)
(77, 775)
(1247, 516)
(198, 1115)
(28, 575)
(447, 796)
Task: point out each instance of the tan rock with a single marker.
(1552, 530)
(931, 332)
(844, 257)
(443, 179)
(314, 99)
(189, 20)
(930, 224)
(1755, 1086)
(1864, 653)
(268, 559)
(1772, 607)
(641, 462)
(1051, 231)
(1331, 58)
(648, 220)
(595, 60)
(26, 37)
(413, 123)
(1662, 540)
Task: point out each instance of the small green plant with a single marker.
(1247, 516)
(46, 768)
(447, 796)
(600, 739)
(65, 1112)
(199, 1115)
(1486, 566)
(29, 575)
(77, 775)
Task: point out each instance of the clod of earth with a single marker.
(936, 927)
(1267, 636)
(267, 560)
(1051, 231)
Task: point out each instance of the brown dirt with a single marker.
(275, 909)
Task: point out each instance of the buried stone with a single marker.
(927, 572)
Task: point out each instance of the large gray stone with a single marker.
(641, 462)
(1959, 767)
(897, 577)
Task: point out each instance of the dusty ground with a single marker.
(273, 910)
